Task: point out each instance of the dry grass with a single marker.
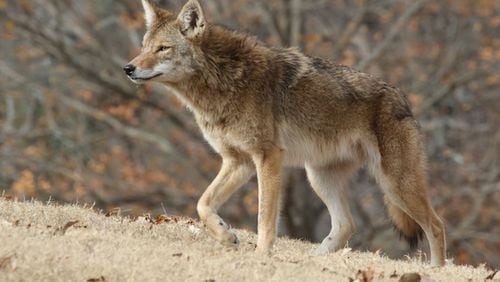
(41, 242)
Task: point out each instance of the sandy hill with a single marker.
(51, 242)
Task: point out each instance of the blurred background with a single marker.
(74, 129)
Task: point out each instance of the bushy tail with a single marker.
(407, 227)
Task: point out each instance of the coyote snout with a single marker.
(140, 76)
(265, 108)
(129, 69)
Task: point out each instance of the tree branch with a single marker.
(295, 22)
(458, 80)
(129, 131)
(349, 32)
(393, 32)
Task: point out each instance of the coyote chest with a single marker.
(223, 134)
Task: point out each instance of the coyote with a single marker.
(263, 108)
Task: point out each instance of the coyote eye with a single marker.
(162, 48)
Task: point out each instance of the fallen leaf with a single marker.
(114, 211)
(162, 218)
(8, 198)
(364, 275)
(62, 230)
(491, 276)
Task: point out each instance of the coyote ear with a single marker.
(150, 12)
(191, 19)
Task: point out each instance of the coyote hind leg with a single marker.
(232, 175)
(330, 183)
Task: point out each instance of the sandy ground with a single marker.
(40, 242)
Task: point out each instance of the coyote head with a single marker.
(169, 48)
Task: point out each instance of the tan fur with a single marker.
(264, 108)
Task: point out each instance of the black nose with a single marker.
(129, 69)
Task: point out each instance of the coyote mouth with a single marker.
(145, 78)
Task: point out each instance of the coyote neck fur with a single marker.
(230, 63)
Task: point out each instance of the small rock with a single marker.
(410, 277)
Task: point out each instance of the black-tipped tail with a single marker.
(408, 228)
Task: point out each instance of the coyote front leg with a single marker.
(268, 163)
(232, 175)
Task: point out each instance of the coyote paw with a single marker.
(221, 232)
(228, 238)
(329, 245)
